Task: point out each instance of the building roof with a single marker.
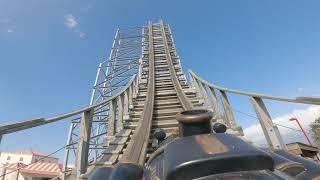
(295, 145)
(30, 152)
(44, 168)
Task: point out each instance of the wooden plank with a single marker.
(114, 149)
(124, 133)
(119, 140)
(107, 159)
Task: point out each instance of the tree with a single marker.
(315, 131)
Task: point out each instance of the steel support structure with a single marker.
(113, 74)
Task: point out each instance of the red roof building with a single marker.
(28, 164)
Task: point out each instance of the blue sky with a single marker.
(50, 50)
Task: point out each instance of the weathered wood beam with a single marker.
(120, 113)
(126, 105)
(83, 142)
(215, 103)
(204, 93)
(130, 97)
(111, 118)
(271, 131)
(229, 117)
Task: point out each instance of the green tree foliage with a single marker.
(315, 131)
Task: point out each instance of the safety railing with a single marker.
(118, 111)
(270, 130)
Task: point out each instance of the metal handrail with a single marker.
(299, 99)
(22, 125)
(270, 130)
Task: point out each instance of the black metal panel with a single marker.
(101, 173)
(312, 168)
(203, 155)
(127, 171)
(287, 166)
(155, 168)
(243, 175)
(194, 122)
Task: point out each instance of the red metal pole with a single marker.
(305, 134)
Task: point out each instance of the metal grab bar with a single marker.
(299, 99)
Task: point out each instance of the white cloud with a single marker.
(300, 89)
(305, 117)
(81, 34)
(7, 24)
(71, 23)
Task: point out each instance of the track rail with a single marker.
(136, 150)
(181, 95)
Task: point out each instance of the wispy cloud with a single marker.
(305, 117)
(5, 21)
(7, 25)
(300, 89)
(71, 23)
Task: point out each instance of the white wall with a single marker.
(27, 158)
(15, 158)
(42, 159)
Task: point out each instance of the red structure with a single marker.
(305, 134)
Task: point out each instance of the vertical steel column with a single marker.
(95, 84)
(110, 63)
(66, 153)
(111, 118)
(271, 131)
(84, 142)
